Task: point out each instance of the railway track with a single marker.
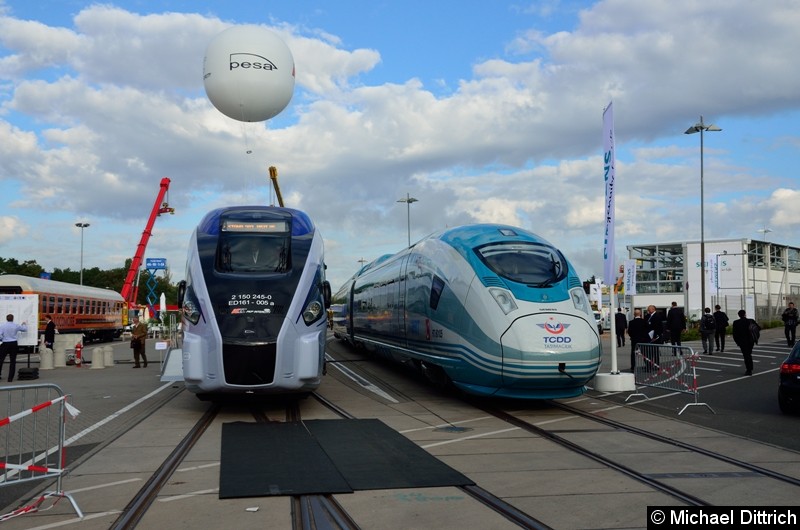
(771, 481)
(579, 440)
(748, 466)
(514, 515)
(308, 512)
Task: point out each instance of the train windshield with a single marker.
(529, 263)
(259, 250)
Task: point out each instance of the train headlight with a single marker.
(580, 301)
(191, 312)
(312, 312)
(504, 299)
(188, 302)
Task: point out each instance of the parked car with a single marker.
(789, 389)
(598, 317)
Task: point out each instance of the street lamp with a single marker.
(408, 200)
(701, 128)
(81, 226)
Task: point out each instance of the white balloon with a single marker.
(248, 73)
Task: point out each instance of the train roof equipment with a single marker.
(273, 175)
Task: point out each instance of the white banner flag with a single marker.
(712, 269)
(596, 293)
(630, 276)
(609, 274)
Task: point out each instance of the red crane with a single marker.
(130, 290)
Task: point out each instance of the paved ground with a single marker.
(545, 482)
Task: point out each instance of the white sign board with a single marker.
(25, 308)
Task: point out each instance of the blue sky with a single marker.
(485, 111)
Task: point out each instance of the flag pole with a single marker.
(614, 381)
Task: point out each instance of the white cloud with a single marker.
(11, 228)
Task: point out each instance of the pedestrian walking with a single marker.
(743, 337)
(708, 327)
(721, 320)
(789, 318)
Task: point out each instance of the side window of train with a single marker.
(437, 286)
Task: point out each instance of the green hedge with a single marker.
(693, 332)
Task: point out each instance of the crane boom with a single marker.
(273, 174)
(128, 292)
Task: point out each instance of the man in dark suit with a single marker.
(676, 323)
(637, 331)
(49, 332)
(655, 325)
(656, 329)
(743, 338)
(621, 323)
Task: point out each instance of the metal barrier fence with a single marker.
(668, 367)
(32, 434)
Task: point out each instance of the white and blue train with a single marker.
(493, 309)
(254, 303)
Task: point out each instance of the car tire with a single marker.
(784, 404)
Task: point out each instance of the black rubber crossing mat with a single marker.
(371, 456)
(324, 456)
(263, 459)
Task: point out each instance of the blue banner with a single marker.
(155, 263)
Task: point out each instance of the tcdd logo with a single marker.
(557, 340)
(553, 326)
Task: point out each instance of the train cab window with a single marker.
(437, 285)
(261, 253)
(529, 263)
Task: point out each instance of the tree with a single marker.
(26, 268)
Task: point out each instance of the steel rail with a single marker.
(138, 506)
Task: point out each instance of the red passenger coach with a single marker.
(94, 312)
